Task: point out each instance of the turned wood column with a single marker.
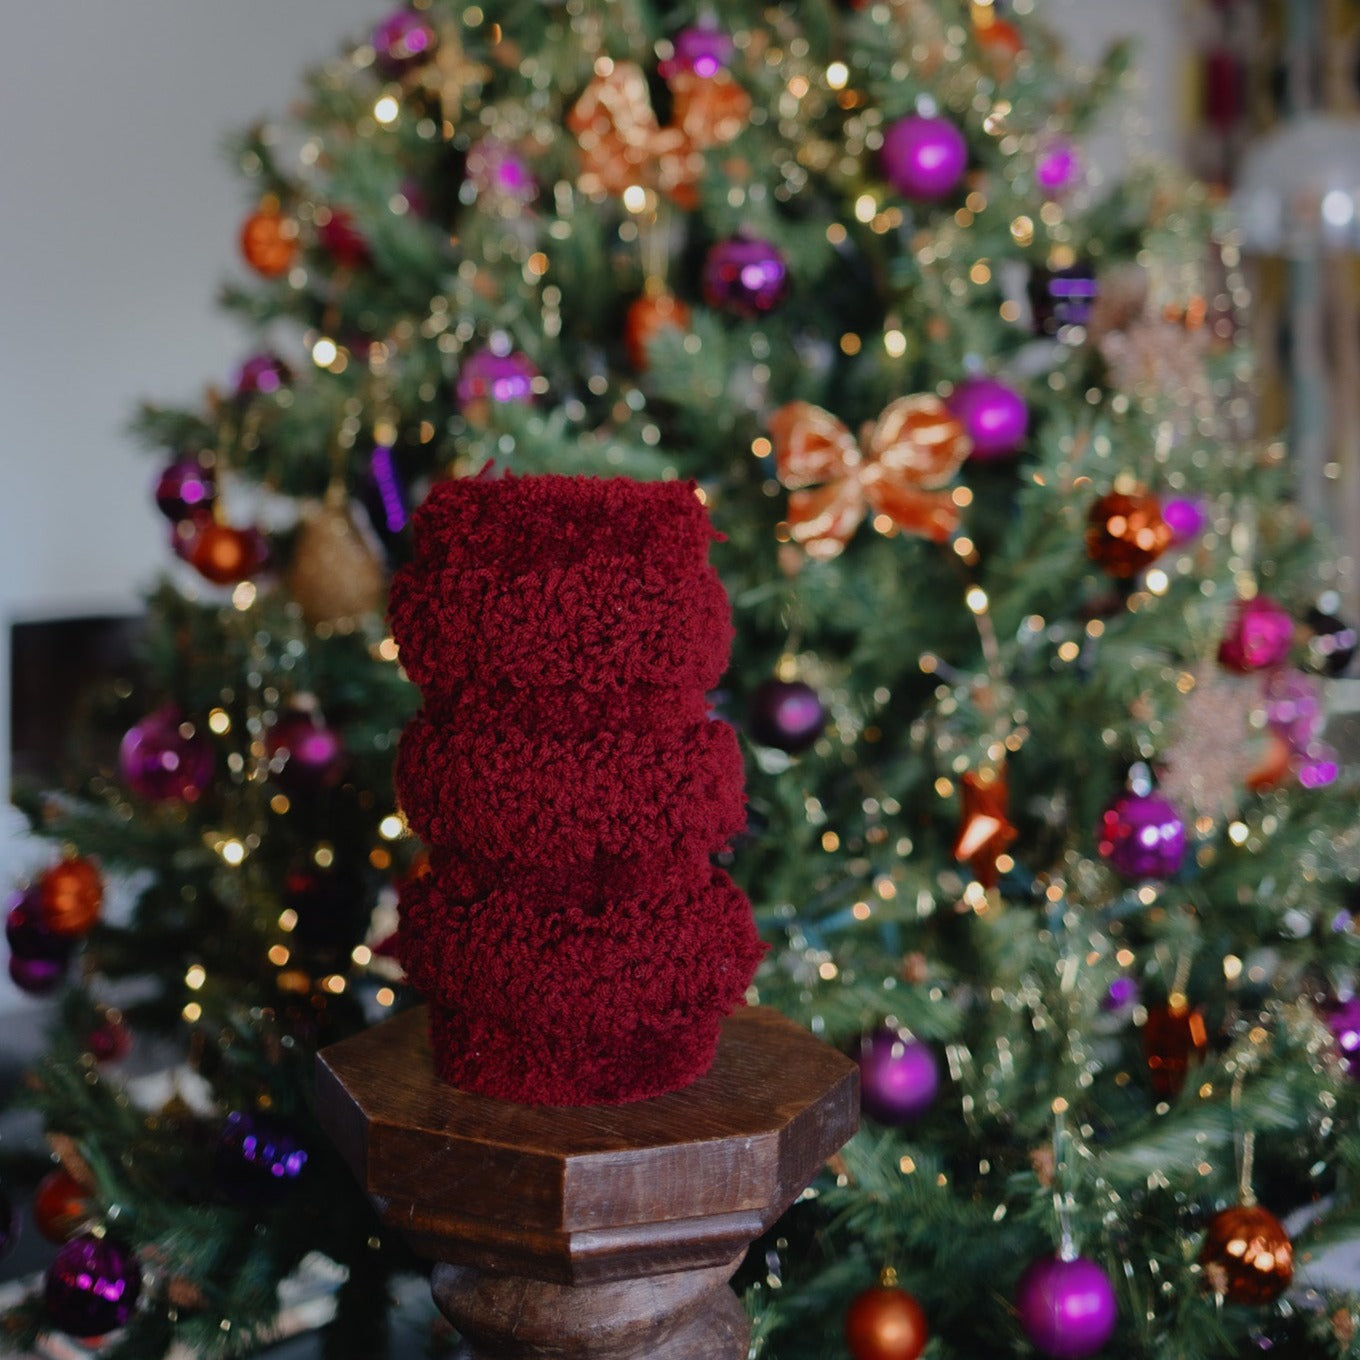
(603, 1232)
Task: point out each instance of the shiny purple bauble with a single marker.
(745, 276)
(28, 934)
(1066, 1308)
(1343, 1019)
(262, 373)
(9, 1224)
(402, 40)
(786, 714)
(924, 158)
(500, 378)
(1187, 517)
(37, 977)
(312, 755)
(1259, 635)
(703, 50)
(1121, 995)
(161, 762)
(496, 170)
(1141, 835)
(1057, 166)
(92, 1286)
(185, 489)
(994, 415)
(258, 1159)
(899, 1077)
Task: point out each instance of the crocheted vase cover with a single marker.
(574, 940)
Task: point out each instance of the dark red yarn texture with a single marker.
(574, 940)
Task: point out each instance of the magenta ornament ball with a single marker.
(262, 373)
(1260, 633)
(1057, 166)
(745, 276)
(1142, 835)
(1186, 516)
(1343, 1019)
(786, 714)
(703, 49)
(402, 39)
(36, 976)
(92, 1286)
(1066, 1308)
(500, 378)
(899, 1076)
(185, 489)
(924, 158)
(994, 415)
(313, 755)
(164, 760)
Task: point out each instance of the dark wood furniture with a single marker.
(601, 1231)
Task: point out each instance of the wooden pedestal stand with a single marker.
(604, 1231)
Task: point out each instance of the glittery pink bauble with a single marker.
(488, 376)
(162, 763)
(1259, 635)
(745, 276)
(994, 415)
(924, 158)
(1141, 835)
(1067, 1308)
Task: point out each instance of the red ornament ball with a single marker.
(1126, 532)
(885, 1323)
(342, 240)
(1174, 1037)
(269, 242)
(1247, 1255)
(225, 555)
(70, 895)
(60, 1205)
(647, 317)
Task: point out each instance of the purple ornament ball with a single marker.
(28, 934)
(262, 373)
(311, 755)
(258, 1159)
(9, 1224)
(185, 489)
(745, 276)
(500, 378)
(994, 415)
(1343, 1019)
(92, 1286)
(1141, 835)
(702, 49)
(1067, 1308)
(1259, 636)
(1187, 517)
(37, 977)
(164, 759)
(402, 40)
(924, 158)
(786, 714)
(1121, 995)
(899, 1077)
(1057, 166)
(1294, 708)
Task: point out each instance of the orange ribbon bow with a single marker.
(622, 143)
(913, 448)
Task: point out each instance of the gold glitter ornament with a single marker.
(335, 576)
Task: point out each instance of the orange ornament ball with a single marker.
(1247, 1255)
(998, 38)
(69, 896)
(223, 554)
(1126, 533)
(647, 317)
(885, 1323)
(60, 1206)
(269, 242)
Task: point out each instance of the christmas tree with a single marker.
(1040, 823)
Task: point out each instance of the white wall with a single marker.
(119, 219)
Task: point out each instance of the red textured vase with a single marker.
(574, 940)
